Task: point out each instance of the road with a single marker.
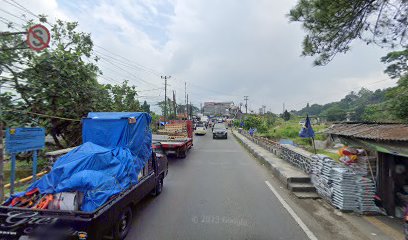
(217, 192)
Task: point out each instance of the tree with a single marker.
(335, 113)
(286, 115)
(58, 81)
(146, 107)
(55, 88)
(124, 97)
(399, 63)
(331, 26)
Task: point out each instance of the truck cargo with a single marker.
(176, 137)
(89, 192)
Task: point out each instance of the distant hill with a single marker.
(364, 105)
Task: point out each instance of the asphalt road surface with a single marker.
(217, 192)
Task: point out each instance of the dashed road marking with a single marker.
(299, 221)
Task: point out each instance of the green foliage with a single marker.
(331, 26)
(290, 130)
(353, 105)
(146, 107)
(399, 99)
(286, 115)
(123, 98)
(60, 81)
(399, 63)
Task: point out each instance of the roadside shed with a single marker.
(387, 143)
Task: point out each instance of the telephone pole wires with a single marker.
(165, 96)
(246, 104)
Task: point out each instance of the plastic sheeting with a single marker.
(109, 161)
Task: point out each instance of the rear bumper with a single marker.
(200, 132)
(220, 135)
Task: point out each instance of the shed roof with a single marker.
(374, 131)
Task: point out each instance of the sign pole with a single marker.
(1, 161)
(314, 146)
(34, 165)
(12, 172)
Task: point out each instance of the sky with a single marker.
(222, 50)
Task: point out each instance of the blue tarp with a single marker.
(109, 161)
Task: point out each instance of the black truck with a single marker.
(112, 220)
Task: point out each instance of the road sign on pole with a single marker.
(38, 37)
(23, 140)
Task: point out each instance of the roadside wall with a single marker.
(294, 155)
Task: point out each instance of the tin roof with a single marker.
(374, 131)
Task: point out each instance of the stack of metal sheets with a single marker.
(365, 195)
(321, 176)
(344, 189)
(360, 167)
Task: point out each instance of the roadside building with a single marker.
(217, 108)
(387, 144)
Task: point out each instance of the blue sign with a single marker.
(24, 139)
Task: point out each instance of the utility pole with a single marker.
(283, 108)
(174, 105)
(187, 106)
(165, 95)
(246, 104)
(264, 109)
(191, 110)
(185, 99)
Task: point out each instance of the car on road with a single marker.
(220, 131)
(200, 129)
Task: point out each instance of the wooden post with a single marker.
(314, 146)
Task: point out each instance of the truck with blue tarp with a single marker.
(89, 192)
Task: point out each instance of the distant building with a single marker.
(217, 108)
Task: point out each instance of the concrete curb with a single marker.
(285, 172)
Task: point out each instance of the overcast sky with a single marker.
(222, 49)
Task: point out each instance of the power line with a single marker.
(42, 115)
(21, 7)
(119, 67)
(126, 63)
(11, 14)
(127, 59)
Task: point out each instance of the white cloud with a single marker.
(223, 49)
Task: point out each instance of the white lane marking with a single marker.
(292, 213)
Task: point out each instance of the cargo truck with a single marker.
(110, 220)
(176, 138)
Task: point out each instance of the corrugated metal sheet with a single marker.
(385, 132)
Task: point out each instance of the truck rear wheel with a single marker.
(122, 226)
(159, 187)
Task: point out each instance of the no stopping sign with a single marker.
(38, 37)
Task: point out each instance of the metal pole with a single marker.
(12, 173)
(246, 104)
(34, 165)
(165, 95)
(1, 161)
(1, 154)
(187, 108)
(165, 99)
